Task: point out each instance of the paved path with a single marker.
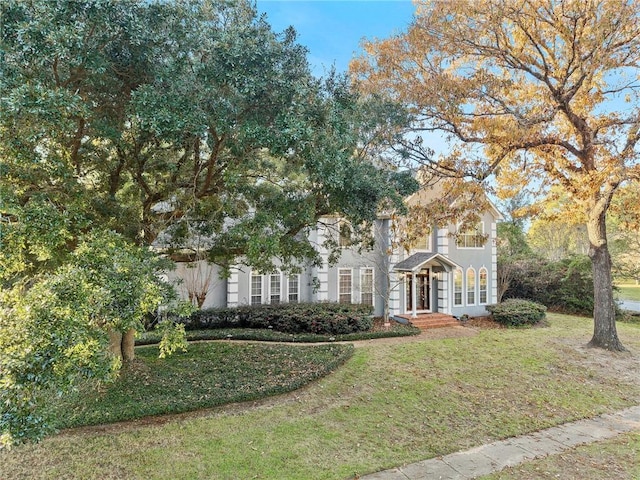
(495, 456)
(632, 305)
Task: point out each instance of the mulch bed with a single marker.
(483, 322)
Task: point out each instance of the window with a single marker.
(471, 286)
(344, 285)
(256, 289)
(294, 289)
(344, 233)
(274, 288)
(366, 286)
(457, 287)
(472, 237)
(482, 290)
(423, 242)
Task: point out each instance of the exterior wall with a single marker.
(193, 276)
(475, 258)
(356, 261)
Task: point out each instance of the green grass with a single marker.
(390, 404)
(616, 458)
(628, 291)
(207, 375)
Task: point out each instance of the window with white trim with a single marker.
(483, 291)
(294, 289)
(345, 285)
(275, 288)
(256, 289)
(457, 287)
(366, 286)
(471, 237)
(471, 286)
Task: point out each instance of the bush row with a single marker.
(516, 312)
(294, 318)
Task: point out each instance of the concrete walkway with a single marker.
(495, 456)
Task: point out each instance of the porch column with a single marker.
(414, 299)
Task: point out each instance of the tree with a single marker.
(511, 242)
(537, 92)
(76, 322)
(139, 124)
(173, 119)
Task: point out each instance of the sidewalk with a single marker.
(495, 456)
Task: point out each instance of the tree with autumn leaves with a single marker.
(536, 92)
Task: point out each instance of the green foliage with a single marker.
(129, 276)
(517, 312)
(565, 286)
(191, 119)
(294, 318)
(53, 331)
(210, 374)
(49, 338)
(270, 335)
(172, 338)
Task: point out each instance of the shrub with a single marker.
(294, 318)
(516, 312)
(564, 286)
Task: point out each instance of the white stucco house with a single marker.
(448, 271)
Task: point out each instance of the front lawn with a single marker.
(390, 404)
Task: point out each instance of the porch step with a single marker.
(432, 320)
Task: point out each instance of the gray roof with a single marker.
(418, 260)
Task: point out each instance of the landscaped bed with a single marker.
(207, 375)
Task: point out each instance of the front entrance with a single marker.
(423, 291)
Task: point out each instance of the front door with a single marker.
(423, 291)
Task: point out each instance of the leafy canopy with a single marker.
(189, 125)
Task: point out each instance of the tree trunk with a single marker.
(115, 343)
(605, 334)
(128, 342)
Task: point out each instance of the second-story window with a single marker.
(344, 234)
(471, 237)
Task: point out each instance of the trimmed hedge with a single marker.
(516, 312)
(293, 318)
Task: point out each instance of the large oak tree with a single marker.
(538, 92)
(187, 125)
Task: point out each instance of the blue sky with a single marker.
(332, 29)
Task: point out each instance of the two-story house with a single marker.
(447, 271)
